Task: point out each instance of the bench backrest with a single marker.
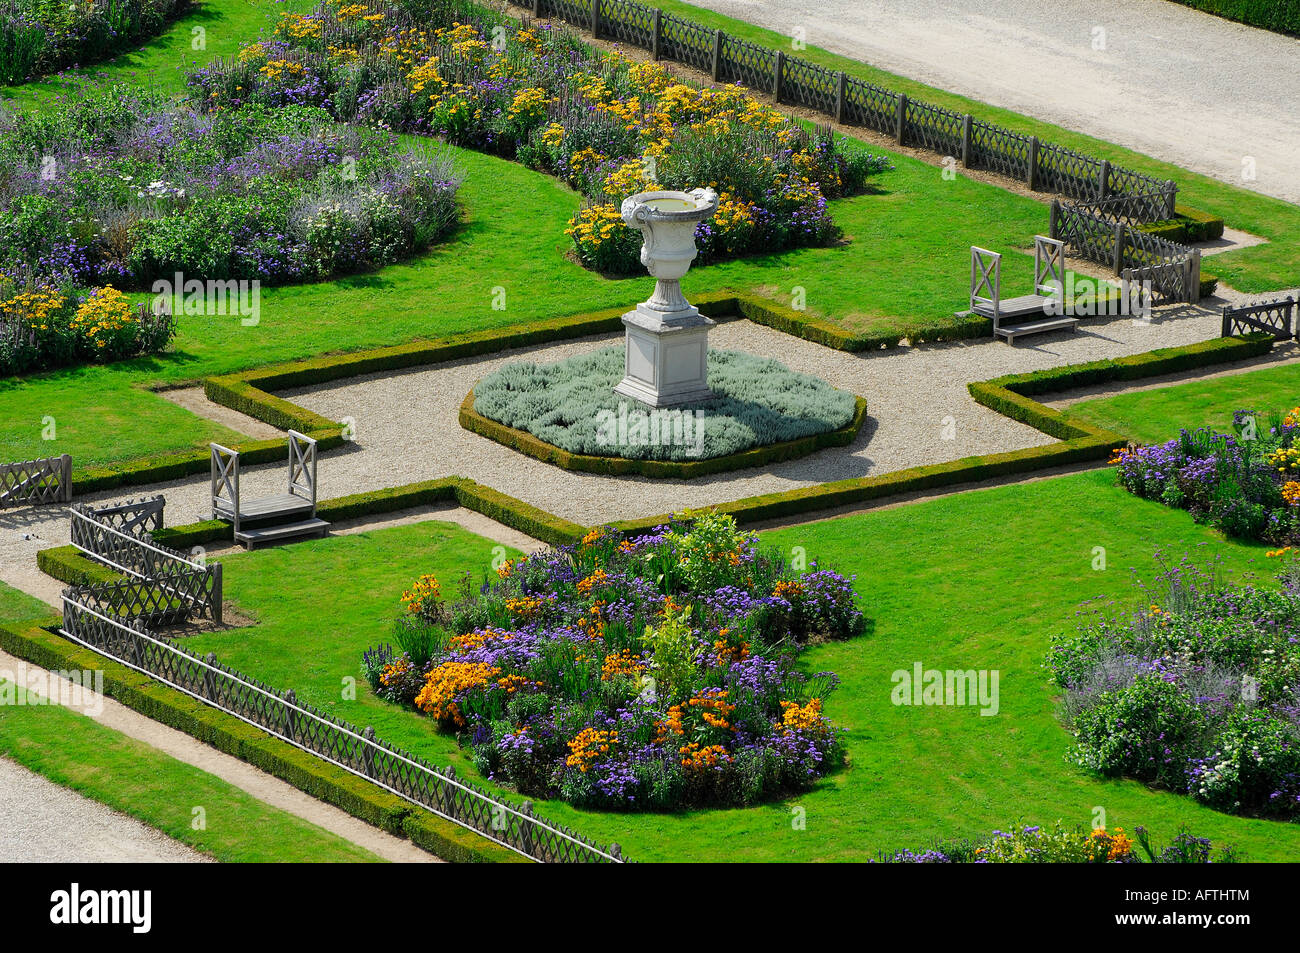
(985, 280)
(302, 467)
(1049, 267)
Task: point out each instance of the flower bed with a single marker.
(1033, 845)
(571, 404)
(41, 36)
(1196, 691)
(1246, 483)
(43, 328)
(646, 673)
(606, 125)
(122, 187)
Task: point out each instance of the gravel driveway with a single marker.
(1171, 82)
(41, 822)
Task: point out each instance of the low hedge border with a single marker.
(1009, 396)
(305, 771)
(1187, 227)
(529, 445)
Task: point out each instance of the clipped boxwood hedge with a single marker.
(313, 776)
(539, 449)
(1280, 16)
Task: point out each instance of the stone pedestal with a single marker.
(665, 363)
(667, 342)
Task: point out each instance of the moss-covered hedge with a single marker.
(1281, 16)
(532, 446)
(318, 778)
(1187, 227)
(1010, 396)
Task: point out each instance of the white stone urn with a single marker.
(667, 339)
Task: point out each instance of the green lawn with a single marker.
(1151, 416)
(975, 580)
(1253, 270)
(129, 776)
(903, 269)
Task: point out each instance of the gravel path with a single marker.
(1171, 82)
(183, 747)
(407, 429)
(43, 823)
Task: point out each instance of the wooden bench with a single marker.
(267, 519)
(1036, 313)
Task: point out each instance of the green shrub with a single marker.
(572, 405)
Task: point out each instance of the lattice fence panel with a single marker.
(999, 150)
(575, 11)
(806, 84)
(1087, 235)
(1280, 318)
(686, 42)
(1068, 172)
(627, 22)
(47, 480)
(747, 64)
(1166, 281)
(869, 105)
(329, 738)
(934, 128)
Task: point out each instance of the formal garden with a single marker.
(647, 594)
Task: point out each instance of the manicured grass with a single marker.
(164, 61)
(107, 766)
(1255, 270)
(976, 580)
(1151, 416)
(101, 414)
(17, 606)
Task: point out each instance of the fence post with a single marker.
(901, 121)
(65, 477)
(656, 32)
(290, 716)
(841, 87)
(216, 593)
(965, 142)
(210, 680)
(1054, 219)
(1194, 282)
(1171, 191)
(1295, 317)
(716, 69)
(595, 19)
(1226, 322)
(778, 68)
(1032, 175)
(1103, 187)
(537, 8)
(367, 752)
(1120, 236)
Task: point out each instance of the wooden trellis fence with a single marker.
(799, 82)
(48, 480)
(164, 585)
(1172, 270)
(359, 752)
(1280, 318)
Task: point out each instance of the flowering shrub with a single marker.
(41, 36)
(608, 126)
(44, 327)
(1033, 845)
(120, 187)
(1246, 483)
(1196, 691)
(650, 672)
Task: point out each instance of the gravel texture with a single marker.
(43, 823)
(919, 412)
(183, 747)
(1171, 82)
